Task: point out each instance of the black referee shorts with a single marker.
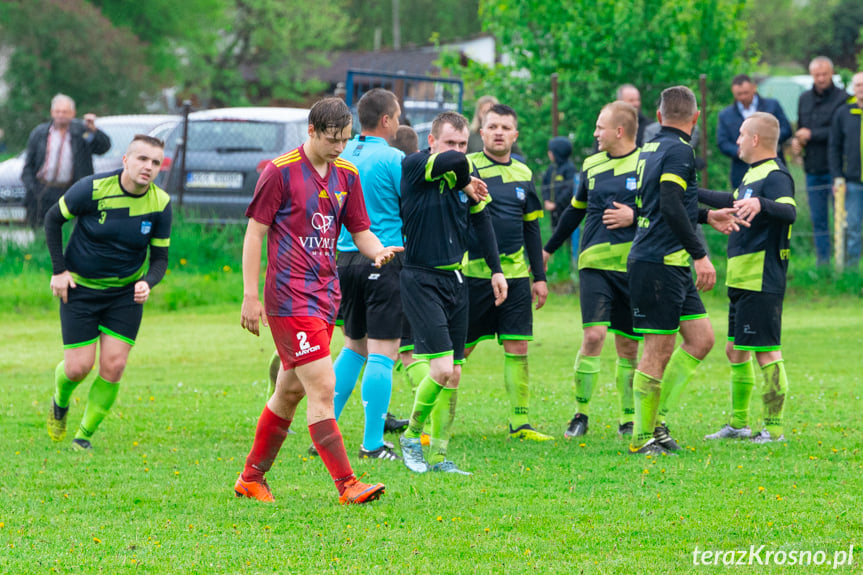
(371, 305)
(513, 319)
(90, 312)
(662, 296)
(435, 303)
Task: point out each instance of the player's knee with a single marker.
(77, 370)
(443, 375)
(592, 343)
(112, 369)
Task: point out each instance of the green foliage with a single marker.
(155, 495)
(67, 46)
(420, 20)
(596, 46)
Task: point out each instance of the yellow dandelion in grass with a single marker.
(527, 551)
(582, 445)
(226, 268)
(152, 398)
(28, 257)
(96, 540)
(486, 529)
(183, 261)
(176, 473)
(646, 472)
(2, 525)
(760, 489)
(778, 497)
(439, 518)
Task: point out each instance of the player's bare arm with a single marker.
(252, 312)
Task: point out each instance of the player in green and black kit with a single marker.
(440, 203)
(605, 200)
(664, 298)
(101, 279)
(513, 208)
(757, 263)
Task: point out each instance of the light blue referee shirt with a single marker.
(380, 167)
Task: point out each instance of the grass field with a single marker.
(155, 496)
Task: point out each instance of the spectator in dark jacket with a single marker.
(846, 161)
(746, 102)
(59, 153)
(630, 94)
(558, 181)
(815, 109)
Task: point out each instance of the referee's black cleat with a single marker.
(663, 438)
(81, 444)
(384, 452)
(395, 425)
(577, 426)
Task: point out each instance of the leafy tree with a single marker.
(421, 20)
(67, 46)
(595, 46)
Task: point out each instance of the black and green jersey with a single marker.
(666, 158)
(513, 202)
(435, 210)
(758, 255)
(605, 180)
(113, 231)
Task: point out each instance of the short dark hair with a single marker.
(330, 114)
(454, 119)
(741, 79)
(502, 110)
(406, 140)
(677, 104)
(149, 140)
(374, 105)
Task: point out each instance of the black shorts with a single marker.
(755, 320)
(662, 296)
(513, 319)
(604, 297)
(371, 305)
(435, 303)
(90, 312)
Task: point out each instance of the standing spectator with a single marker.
(814, 112)
(746, 102)
(59, 153)
(558, 181)
(846, 157)
(406, 140)
(630, 94)
(122, 218)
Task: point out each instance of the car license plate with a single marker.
(221, 180)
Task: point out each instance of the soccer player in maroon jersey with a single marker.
(300, 203)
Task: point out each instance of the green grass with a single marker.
(155, 496)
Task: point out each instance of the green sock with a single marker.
(586, 370)
(646, 391)
(99, 401)
(773, 396)
(515, 377)
(623, 377)
(680, 369)
(427, 392)
(63, 386)
(742, 382)
(416, 372)
(442, 417)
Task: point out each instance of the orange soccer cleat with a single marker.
(359, 492)
(253, 490)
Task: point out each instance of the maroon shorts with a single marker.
(300, 340)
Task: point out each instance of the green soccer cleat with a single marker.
(447, 466)
(57, 421)
(527, 432)
(728, 432)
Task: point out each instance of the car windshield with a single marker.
(226, 136)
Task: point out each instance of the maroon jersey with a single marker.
(305, 213)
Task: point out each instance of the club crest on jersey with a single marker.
(340, 197)
(747, 194)
(519, 193)
(462, 197)
(146, 227)
(631, 184)
(321, 222)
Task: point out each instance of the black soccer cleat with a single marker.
(383, 452)
(663, 438)
(81, 445)
(577, 426)
(395, 425)
(651, 448)
(625, 429)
